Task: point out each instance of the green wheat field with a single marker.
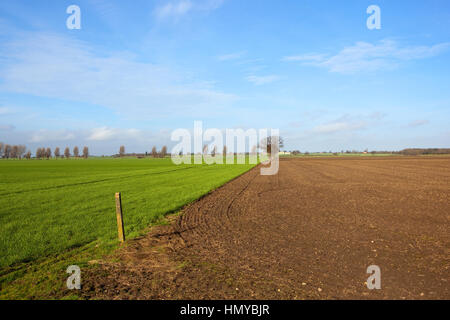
(48, 207)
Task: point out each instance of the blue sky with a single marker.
(139, 69)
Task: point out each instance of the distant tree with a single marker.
(224, 151)
(213, 151)
(163, 151)
(28, 155)
(76, 152)
(21, 151)
(57, 152)
(270, 144)
(14, 152)
(205, 149)
(154, 152)
(122, 151)
(38, 153)
(67, 152)
(85, 152)
(1, 149)
(48, 153)
(7, 151)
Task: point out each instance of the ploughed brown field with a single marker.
(309, 232)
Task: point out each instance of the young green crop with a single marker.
(47, 207)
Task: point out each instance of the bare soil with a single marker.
(309, 232)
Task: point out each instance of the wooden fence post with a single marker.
(120, 228)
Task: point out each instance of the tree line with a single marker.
(8, 151)
(20, 151)
(46, 153)
(154, 153)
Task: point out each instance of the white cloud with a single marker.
(6, 127)
(4, 111)
(54, 66)
(51, 135)
(231, 56)
(105, 133)
(209, 5)
(345, 123)
(178, 9)
(418, 123)
(338, 127)
(305, 57)
(364, 56)
(100, 134)
(260, 80)
(173, 9)
(103, 140)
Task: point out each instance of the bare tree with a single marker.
(2, 145)
(28, 155)
(122, 151)
(205, 149)
(85, 152)
(213, 152)
(48, 153)
(154, 152)
(7, 151)
(76, 152)
(21, 151)
(67, 152)
(57, 152)
(163, 151)
(224, 150)
(14, 152)
(270, 144)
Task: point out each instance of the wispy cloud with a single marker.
(55, 66)
(338, 127)
(101, 140)
(6, 127)
(418, 123)
(178, 9)
(208, 5)
(261, 80)
(364, 56)
(5, 111)
(231, 56)
(105, 133)
(305, 57)
(173, 9)
(51, 135)
(345, 123)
